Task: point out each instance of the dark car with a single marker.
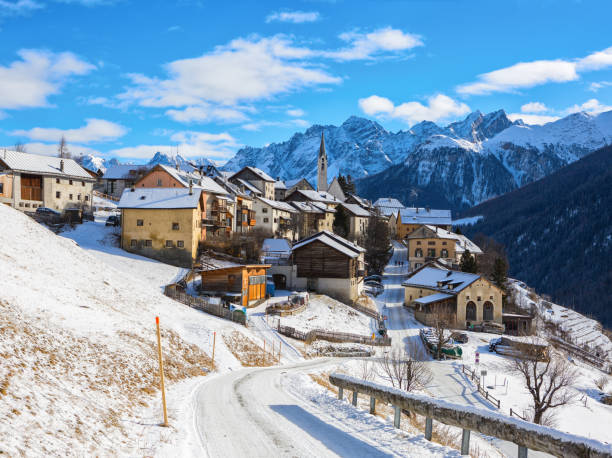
(460, 337)
(113, 220)
(47, 211)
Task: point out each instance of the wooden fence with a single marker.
(201, 304)
(330, 336)
(524, 434)
(582, 354)
(106, 196)
(279, 310)
(488, 396)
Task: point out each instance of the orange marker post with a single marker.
(161, 372)
(213, 355)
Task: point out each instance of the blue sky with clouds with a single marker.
(126, 78)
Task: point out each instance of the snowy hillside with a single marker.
(77, 344)
(464, 163)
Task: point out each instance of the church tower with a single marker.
(322, 166)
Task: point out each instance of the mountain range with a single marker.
(455, 166)
(557, 232)
(92, 162)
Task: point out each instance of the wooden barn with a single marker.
(249, 281)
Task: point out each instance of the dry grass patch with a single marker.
(247, 351)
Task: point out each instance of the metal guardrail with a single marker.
(330, 336)
(197, 303)
(524, 434)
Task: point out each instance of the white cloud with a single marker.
(10, 8)
(534, 107)
(190, 144)
(296, 17)
(592, 106)
(438, 107)
(533, 119)
(529, 74)
(205, 112)
(258, 125)
(296, 112)
(365, 46)
(596, 86)
(28, 82)
(95, 130)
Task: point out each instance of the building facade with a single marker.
(427, 243)
(257, 178)
(277, 219)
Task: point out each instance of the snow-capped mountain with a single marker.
(459, 165)
(176, 159)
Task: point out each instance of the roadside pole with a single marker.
(213, 354)
(279, 351)
(161, 373)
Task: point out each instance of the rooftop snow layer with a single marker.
(158, 198)
(356, 209)
(49, 165)
(415, 215)
(433, 278)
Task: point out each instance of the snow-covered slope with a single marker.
(466, 162)
(78, 348)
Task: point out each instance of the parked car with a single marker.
(377, 278)
(113, 220)
(493, 343)
(460, 337)
(490, 327)
(47, 211)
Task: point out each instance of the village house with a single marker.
(163, 223)
(240, 284)
(298, 183)
(313, 217)
(119, 177)
(320, 197)
(279, 190)
(363, 203)
(463, 298)
(29, 181)
(329, 264)
(409, 219)
(244, 215)
(256, 178)
(388, 206)
(427, 243)
(276, 218)
(359, 219)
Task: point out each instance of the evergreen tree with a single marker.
(468, 262)
(500, 272)
(350, 186)
(376, 244)
(341, 221)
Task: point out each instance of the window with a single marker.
(57, 180)
(431, 252)
(86, 198)
(470, 311)
(257, 280)
(418, 242)
(169, 244)
(275, 220)
(159, 182)
(82, 183)
(487, 311)
(79, 197)
(70, 196)
(139, 222)
(1, 188)
(133, 243)
(264, 210)
(175, 226)
(149, 243)
(431, 243)
(444, 253)
(70, 182)
(180, 243)
(443, 243)
(479, 298)
(266, 220)
(418, 253)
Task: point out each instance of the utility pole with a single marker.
(161, 373)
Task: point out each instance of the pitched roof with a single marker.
(318, 196)
(462, 243)
(388, 202)
(202, 182)
(280, 185)
(291, 183)
(355, 209)
(260, 173)
(433, 298)
(44, 165)
(448, 281)
(231, 187)
(416, 215)
(306, 207)
(332, 240)
(159, 198)
(276, 246)
(249, 187)
(283, 206)
(360, 200)
(335, 190)
(121, 171)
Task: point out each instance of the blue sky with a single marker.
(126, 78)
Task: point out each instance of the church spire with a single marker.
(322, 166)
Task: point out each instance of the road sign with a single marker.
(483, 372)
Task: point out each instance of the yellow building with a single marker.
(470, 299)
(163, 223)
(427, 243)
(411, 218)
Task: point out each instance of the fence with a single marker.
(524, 434)
(488, 396)
(584, 355)
(106, 196)
(330, 336)
(201, 304)
(293, 309)
(365, 310)
(516, 414)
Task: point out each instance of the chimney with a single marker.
(178, 167)
(427, 209)
(62, 165)
(190, 187)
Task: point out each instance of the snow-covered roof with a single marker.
(46, 165)
(276, 246)
(248, 186)
(334, 241)
(356, 210)
(416, 215)
(280, 185)
(307, 207)
(323, 207)
(433, 298)
(388, 202)
(291, 183)
(260, 173)
(318, 196)
(283, 206)
(360, 200)
(121, 171)
(202, 182)
(440, 279)
(158, 198)
(462, 243)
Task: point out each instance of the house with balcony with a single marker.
(29, 181)
(163, 223)
(460, 298)
(277, 219)
(256, 178)
(313, 217)
(427, 243)
(329, 264)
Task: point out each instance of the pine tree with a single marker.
(468, 262)
(341, 221)
(500, 272)
(350, 186)
(377, 242)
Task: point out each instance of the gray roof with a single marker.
(159, 198)
(318, 196)
(433, 298)
(121, 171)
(449, 281)
(356, 210)
(202, 182)
(415, 215)
(334, 241)
(283, 206)
(249, 186)
(291, 183)
(306, 207)
(280, 185)
(388, 202)
(44, 165)
(260, 173)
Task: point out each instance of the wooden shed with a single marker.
(248, 280)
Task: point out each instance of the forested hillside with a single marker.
(558, 233)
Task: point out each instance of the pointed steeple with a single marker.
(322, 166)
(322, 147)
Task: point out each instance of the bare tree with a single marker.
(366, 370)
(62, 149)
(442, 320)
(405, 370)
(546, 381)
(20, 147)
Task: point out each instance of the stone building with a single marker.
(427, 243)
